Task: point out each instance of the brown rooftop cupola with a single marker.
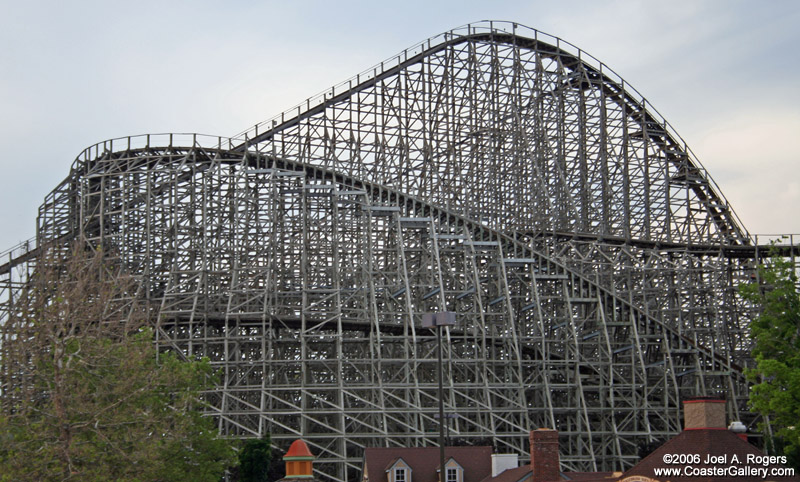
(299, 461)
(704, 413)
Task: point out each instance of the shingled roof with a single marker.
(524, 474)
(706, 451)
(725, 450)
(424, 461)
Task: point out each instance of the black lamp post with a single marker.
(435, 321)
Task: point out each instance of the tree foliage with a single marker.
(776, 331)
(84, 395)
(255, 460)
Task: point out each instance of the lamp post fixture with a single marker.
(435, 321)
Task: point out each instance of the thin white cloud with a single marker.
(752, 155)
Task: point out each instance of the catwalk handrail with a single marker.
(411, 55)
(18, 254)
(182, 140)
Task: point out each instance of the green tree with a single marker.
(85, 396)
(776, 331)
(255, 460)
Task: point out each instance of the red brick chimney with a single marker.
(544, 455)
(704, 413)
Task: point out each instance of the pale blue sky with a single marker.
(723, 73)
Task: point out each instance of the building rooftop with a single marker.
(705, 451)
(424, 461)
(717, 449)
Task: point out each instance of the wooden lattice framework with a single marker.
(493, 171)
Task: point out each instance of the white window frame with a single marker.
(400, 474)
(451, 471)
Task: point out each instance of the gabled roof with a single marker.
(524, 474)
(708, 441)
(448, 459)
(424, 462)
(394, 463)
(519, 474)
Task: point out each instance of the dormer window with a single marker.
(453, 471)
(452, 474)
(398, 471)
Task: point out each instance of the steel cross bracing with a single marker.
(493, 171)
